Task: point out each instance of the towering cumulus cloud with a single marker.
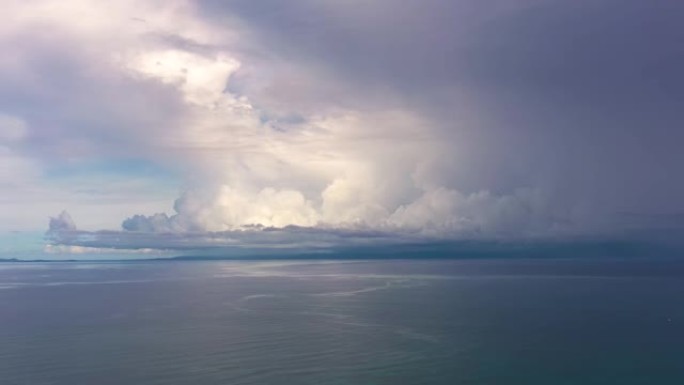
(333, 122)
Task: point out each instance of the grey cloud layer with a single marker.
(143, 236)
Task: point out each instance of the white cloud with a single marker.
(200, 79)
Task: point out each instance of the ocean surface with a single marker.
(489, 322)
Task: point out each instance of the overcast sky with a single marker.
(174, 125)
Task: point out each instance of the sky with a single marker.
(176, 127)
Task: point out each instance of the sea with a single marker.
(479, 321)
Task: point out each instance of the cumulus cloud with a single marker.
(62, 223)
(439, 212)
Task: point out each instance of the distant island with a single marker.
(38, 260)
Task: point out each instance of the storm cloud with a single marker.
(442, 120)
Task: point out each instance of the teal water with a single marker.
(364, 322)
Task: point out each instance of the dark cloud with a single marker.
(581, 99)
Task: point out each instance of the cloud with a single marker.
(439, 212)
(243, 241)
(333, 242)
(62, 223)
(12, 129)
(526, 120)
(79, 250)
